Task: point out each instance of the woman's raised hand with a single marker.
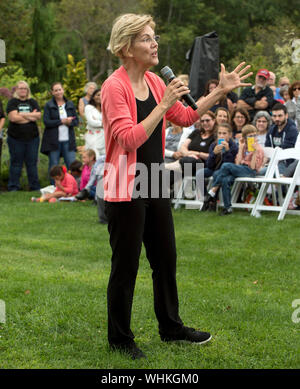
(230, 81)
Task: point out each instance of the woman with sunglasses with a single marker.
(135, 106)
(291, 105)
(195, 149)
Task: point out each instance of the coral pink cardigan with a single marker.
(123, 135)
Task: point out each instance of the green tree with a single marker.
(45, 60)
(268, 49)
(235, 21)
(90, 22)
(75, 79)
(287, 67)
(15, 28)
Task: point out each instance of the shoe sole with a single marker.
(189, 341)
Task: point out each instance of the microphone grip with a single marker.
(190, 101)
(169, 75)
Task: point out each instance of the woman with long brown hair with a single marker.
(239, 119)
(195, 149)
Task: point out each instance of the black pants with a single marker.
(130, 224)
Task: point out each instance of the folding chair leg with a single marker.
(286, 202)
(260, 199)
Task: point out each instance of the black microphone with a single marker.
(169, 76)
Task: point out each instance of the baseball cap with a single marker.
(264, 73)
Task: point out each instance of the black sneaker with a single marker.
(130, 349)
(212, 206)
(226, 211)
(188, 335)
(206, 205)
(82, 195)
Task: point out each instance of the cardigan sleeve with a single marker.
(118, 116)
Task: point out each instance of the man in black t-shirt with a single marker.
(258, 97)
(23, 137)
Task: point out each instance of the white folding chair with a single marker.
(239, 182)
(274, 178)
(182, 197)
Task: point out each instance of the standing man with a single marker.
(258, 97)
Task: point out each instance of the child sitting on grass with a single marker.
(76, 170)
(248, 162)
(89, 160)
(65, 185)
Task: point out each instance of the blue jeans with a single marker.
(226, 176)
(92, 192)
(20, 152)
(62, 151)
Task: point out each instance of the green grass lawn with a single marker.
(237, 278)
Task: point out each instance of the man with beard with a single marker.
(258, 97)
(283, 133)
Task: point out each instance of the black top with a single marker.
(25, 131)
(198, 143)
(150, 151)
(250, 97)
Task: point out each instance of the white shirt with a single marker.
(93, 118)
(63, 130)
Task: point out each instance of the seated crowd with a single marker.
(215, 146)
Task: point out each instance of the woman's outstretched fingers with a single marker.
(244, 70)
(246, 76)
(239, 67)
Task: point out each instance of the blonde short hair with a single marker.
(90, 153)
(248, 129)
(28, 89)
(125, 28)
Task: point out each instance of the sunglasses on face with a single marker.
(296, 88)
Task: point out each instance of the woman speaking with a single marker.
(135, 106)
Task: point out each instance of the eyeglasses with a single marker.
(239, 117)
(149, 40)
(262, 121)
(205, 121)
(296, 88)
